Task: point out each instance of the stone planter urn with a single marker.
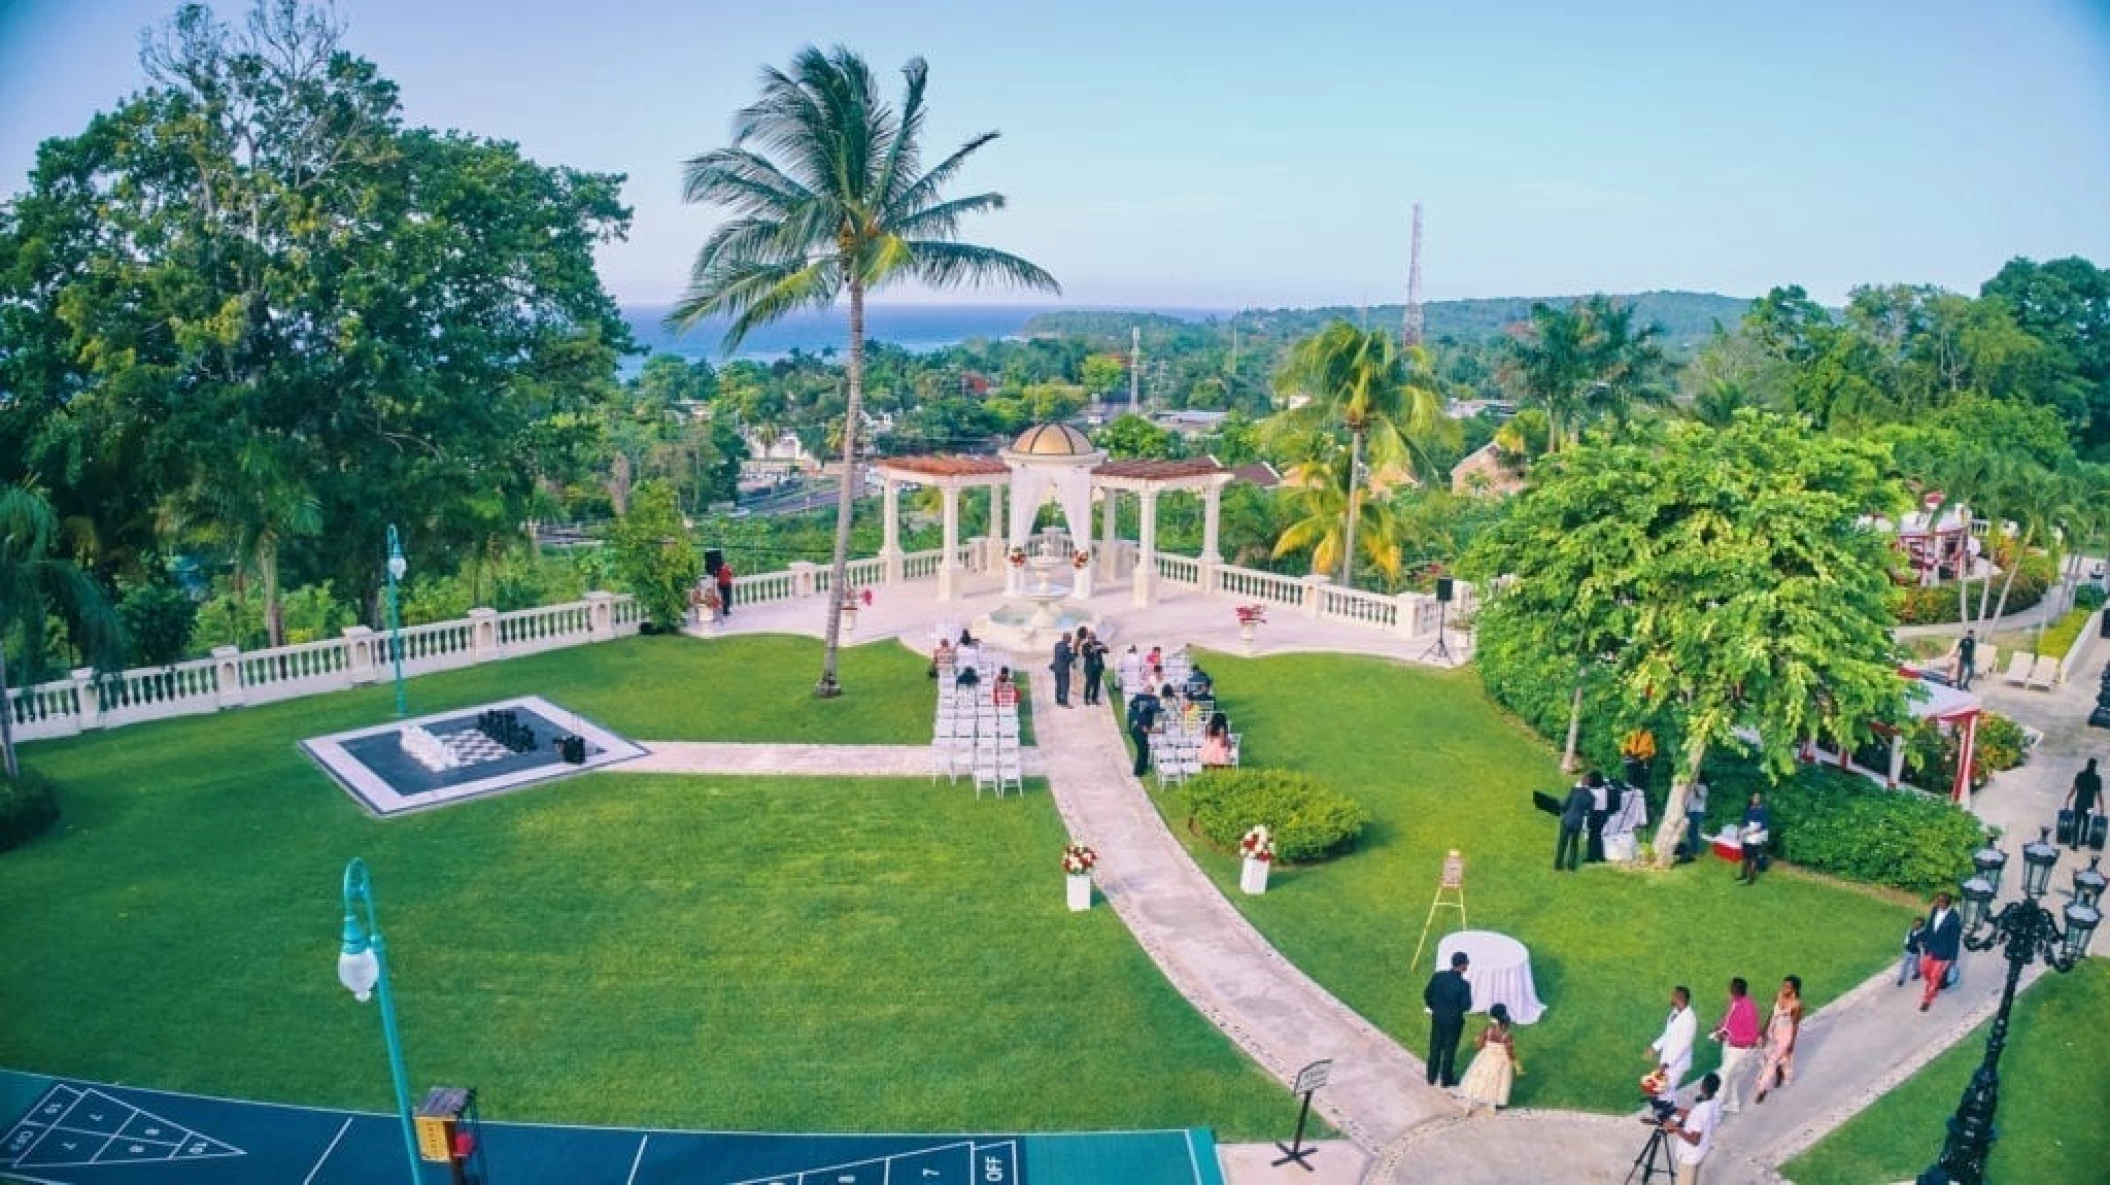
(1252, 878)
(1246, 630)
(849, 618)
(1080, 890)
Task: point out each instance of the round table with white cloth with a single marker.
(1500, 972)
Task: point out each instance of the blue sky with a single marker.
(1245, 153)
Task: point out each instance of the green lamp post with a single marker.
(397, 565)
(362, 966)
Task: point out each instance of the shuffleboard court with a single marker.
(66, 1132)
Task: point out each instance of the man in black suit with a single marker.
(1575, 813)
(1143, 709)
(1600, 810)
(1448, 998)
(1065, 658)
(1939, 947)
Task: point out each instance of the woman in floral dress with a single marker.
(1781, 1032)
(1487, 1080)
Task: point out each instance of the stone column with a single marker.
(993, 542)
(1409, 607)
(227, 672)
(600, 614)
(88, 697)
(1144, 583)
(949, 571)
(1897, 759)
(890, 528)
(1312, 584)
(802, 577)
(359, 646)
(483, 634)
(1109, 532)
(1212, 557)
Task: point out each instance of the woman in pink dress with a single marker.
(1488, 1079)
(1781, 1031)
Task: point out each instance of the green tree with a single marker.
(829, 197)
(1742, 595)
(1585, 361)
(1130, 437)
(35, 584)
(253, 504)
(1334, 520)
(1359, 382)
(1102, 373)
(654, 554)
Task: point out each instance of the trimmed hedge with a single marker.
(29, 806)
(1936, 605)
(1310, 820)
(1848, 826)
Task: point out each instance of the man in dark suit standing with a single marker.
(1065, 658)
(1575, 814)
(1938, 947)
(1448, 998)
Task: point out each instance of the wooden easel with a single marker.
(1450, 894)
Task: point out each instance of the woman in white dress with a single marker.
(1487, 1080)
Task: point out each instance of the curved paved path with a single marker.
(1275, 1013)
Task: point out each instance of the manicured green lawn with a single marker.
(792, 954)
(2053, 1077)
(1438, 769)
(2057, 639)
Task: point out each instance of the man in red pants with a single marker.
(1938, 947)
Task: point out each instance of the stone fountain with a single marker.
(1038, 608)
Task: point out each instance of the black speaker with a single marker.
(713, 559)
(1443, 589)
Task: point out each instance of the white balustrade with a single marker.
(861, 573)
(1179, 569)
(764, 588)
(1246, 583)
(921, 565)
(64, 707)
(1359, 607)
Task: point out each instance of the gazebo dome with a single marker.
(1052, 440)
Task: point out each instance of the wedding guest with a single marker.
(1694, 1132)
(1093, 652)
(725, 589)
(1696, 818)
(1129, 675)
(1782, 1028)
(1600, 810)
(1216, 742)
(1448, 997)
(1488, 1079)
(1939, 947)
(1199, 685)
(1739, 1035)
(1003, 693)
(1065, 658)
(1143, 709)
(1757, 833)
(1575, 813)
(1915, 944)
(1673, 1049)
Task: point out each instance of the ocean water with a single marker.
(918, 327)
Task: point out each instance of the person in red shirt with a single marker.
(1004, 692)
(725, 589)
(1739, 1035)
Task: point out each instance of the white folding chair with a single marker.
(1010, 772)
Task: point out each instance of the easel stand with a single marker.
(1654, 1158)
(1450, 894)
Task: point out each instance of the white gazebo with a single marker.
(1053, 463)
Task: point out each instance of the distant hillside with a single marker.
(1686, 317)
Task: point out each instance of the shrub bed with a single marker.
(28, 807)
(1936, 605)
(1310, 820)
(1850, 827)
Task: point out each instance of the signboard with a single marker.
(1453, 871)
(1312, 1077)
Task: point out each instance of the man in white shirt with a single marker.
(1692, 1134)
(1673, 1050)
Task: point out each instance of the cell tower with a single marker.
(1410, 324)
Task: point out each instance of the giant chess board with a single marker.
(430, 761)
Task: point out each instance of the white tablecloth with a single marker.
(1500, 972)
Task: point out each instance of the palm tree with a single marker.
(1361, 382)
(1327, 528)
(1584, 361)
(826, 185)
(2043, 503)
(34, 585)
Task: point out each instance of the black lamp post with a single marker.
(2029, 932)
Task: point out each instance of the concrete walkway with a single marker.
(796, 761)
(1206, 948)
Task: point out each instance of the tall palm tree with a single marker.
(1361, 382)
(828, 193)
(35, 584)
(1331, 518)
(1585, 361)
(2043, 504)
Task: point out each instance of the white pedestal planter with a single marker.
(1080, 893)
(1253, 877)
(849, 619)
(1246, 630)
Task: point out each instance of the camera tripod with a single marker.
(1654, 1158)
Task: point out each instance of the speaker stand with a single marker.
(1439, 649)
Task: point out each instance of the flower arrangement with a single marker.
(1639, 745)
(1081, 560)
(1017, 557)
(1252, 614)
(1078, 860)
(1257, 845)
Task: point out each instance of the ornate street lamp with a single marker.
(362, 966)
(2029, 932)
(397, 566)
